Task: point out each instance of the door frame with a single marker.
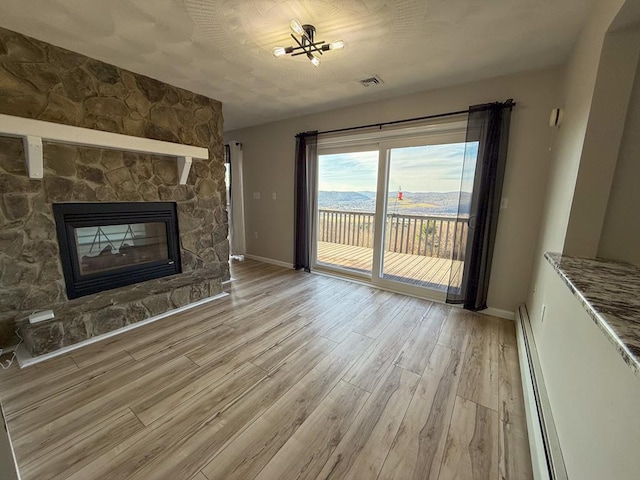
(453, 131)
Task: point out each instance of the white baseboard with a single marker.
(25, 359)
(496, 312)
(269, 260)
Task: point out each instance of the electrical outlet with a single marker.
(504, 203)
(274, 196)
(256, 195)
(255, 234)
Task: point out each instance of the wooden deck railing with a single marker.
(427, 235)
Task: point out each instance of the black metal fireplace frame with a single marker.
(69, 216)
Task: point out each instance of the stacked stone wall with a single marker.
(44, 82)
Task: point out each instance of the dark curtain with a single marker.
(484, 164)
(305, 171)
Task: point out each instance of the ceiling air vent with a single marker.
(370, 82)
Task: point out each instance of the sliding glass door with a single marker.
(346, 201)
(389, 212)
(422, 199)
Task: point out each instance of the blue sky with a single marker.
(428, 168)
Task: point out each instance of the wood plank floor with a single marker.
(291, 376)
(429, 272)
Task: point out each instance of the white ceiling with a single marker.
(222, 48)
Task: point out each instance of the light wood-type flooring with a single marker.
(293, 375)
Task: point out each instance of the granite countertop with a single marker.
(610, 292)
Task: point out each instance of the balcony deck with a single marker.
(418, 270)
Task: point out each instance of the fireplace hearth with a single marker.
(110, 245)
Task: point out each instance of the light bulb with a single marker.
(278, 51)
(315, 60)
(296, 27)
(337, 45)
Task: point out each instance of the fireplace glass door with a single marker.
(108, 247)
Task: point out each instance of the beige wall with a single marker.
(577, 92)
(594, 394)
(614, 83)
(621, 231)
(268, 152)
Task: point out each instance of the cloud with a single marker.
(347, 172)
(428, 168)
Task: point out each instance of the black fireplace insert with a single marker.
(110, 245)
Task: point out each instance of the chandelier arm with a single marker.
(311, 46)
(307, 49)
(300, 44)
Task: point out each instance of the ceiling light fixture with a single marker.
(306, 44)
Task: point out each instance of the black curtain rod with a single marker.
(508, 104)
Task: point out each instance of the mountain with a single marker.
(344, 197)
(412, 203)
(347, 201)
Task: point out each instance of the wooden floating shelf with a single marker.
(34, 132)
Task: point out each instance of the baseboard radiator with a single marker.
(546, 455)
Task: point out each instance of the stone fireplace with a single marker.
(44, 82)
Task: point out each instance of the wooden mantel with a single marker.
(34, 132)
